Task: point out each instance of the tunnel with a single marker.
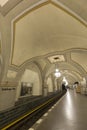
(43, 69)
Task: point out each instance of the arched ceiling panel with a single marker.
(77, 6)
(42, 63)
(77, 74)
(45, 30)
(74, 74)
(70, 78)
(80, 58)
(61, 66)
(64, 68)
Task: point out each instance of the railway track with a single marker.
(28, 119)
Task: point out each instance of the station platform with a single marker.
(70, 113)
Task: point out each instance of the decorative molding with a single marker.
(70, 12)
(36, 6)
(56, 58)
(29, 10)
(8, 6)
(51, 54)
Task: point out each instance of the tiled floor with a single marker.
(69, 114)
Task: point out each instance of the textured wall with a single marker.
(7, 97)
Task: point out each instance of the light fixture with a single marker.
(57, 73)
(57, 70)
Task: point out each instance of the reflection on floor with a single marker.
(69, 114)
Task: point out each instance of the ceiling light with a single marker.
(56, 58)
(57, 74)
(57, 70)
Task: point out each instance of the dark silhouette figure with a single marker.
(63, 87)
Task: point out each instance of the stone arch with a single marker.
(30, 73)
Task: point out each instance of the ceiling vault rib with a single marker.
(29, 11)
(42, 42)
(70, 12)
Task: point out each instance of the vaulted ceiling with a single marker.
(44, 32)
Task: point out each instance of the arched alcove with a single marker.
(30, 78)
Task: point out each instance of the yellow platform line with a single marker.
(14, 122)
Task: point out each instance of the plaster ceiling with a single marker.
(40, 32)
(72, 74)
(80, 58)
(69, 79)
(77, 6)
(64, 68)
(44, 30)
(42, 63)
